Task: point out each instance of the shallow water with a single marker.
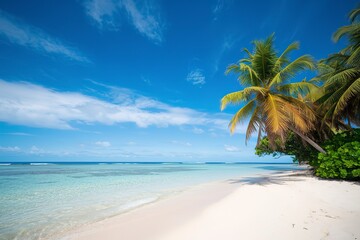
(39, 201)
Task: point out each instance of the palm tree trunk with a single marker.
(308, 140)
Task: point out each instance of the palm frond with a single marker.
(241, 115)
(248, 52)
(232, 68)
(314, 94)
(302, 106)
(249, 74)
(298, 87)
(302, 63)
(354, 14)
(352, 91)
(330, 100)
(342, 76)
(283, 57)
(345, 30)
(254, 124)
(275, 114)
(264, 58)
(245, 60)
(240, 96)
(336, 60)
(354, 58)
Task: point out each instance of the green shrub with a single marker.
(341, 161)
(342, 158)
(294, 147)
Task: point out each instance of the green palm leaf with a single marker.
(232, 68)
(342, 31)
(354, 58)
(283, 57)
(342, 76)
(352, 91)
(354, 14)
(249, 76)
(271, 104)
(297, 88)
(301, 63)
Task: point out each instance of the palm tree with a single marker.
(352, 32)
(341, 73)
(270, 98)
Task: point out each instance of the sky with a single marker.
(140, 80)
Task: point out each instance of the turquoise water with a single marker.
(40, 201)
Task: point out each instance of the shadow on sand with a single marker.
(278, 178)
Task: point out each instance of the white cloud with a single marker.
(198, 130)
(25, 35)
(10, 149)
(181, 143)
(103, 12)
(27, 104)
(217, 9)
(19, 134)
(196, 77)
(35, 150)
(142, 15)
(227, 44)
(144, 20)
(103, 143)
(146, 80)
(230, 148)
(220, 7)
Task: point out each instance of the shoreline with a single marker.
(176, 203)
(289, 205)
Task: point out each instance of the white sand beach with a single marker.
(283, 206)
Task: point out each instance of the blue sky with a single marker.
(135, 80)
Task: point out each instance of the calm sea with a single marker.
(43, 200)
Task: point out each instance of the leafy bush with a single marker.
(293, 146)
(342, 158)
(341, 161)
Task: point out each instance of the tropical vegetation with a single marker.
(270, 97)
(312, 120)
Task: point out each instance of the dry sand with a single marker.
(283, 206)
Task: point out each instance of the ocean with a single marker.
(45, 200)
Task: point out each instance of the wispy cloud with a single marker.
(35, 150)
(196, 77)
(103, 12)
(145, 20)
(143, 15)
(146, 80)
(227, 44)
(10, 149)
(187, 144)
(219, 7)
(230, 148)
(198, 130)
(18, 134)
(103, 143)
(20, 33)
(27, 104)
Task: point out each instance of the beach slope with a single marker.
(280, 206)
